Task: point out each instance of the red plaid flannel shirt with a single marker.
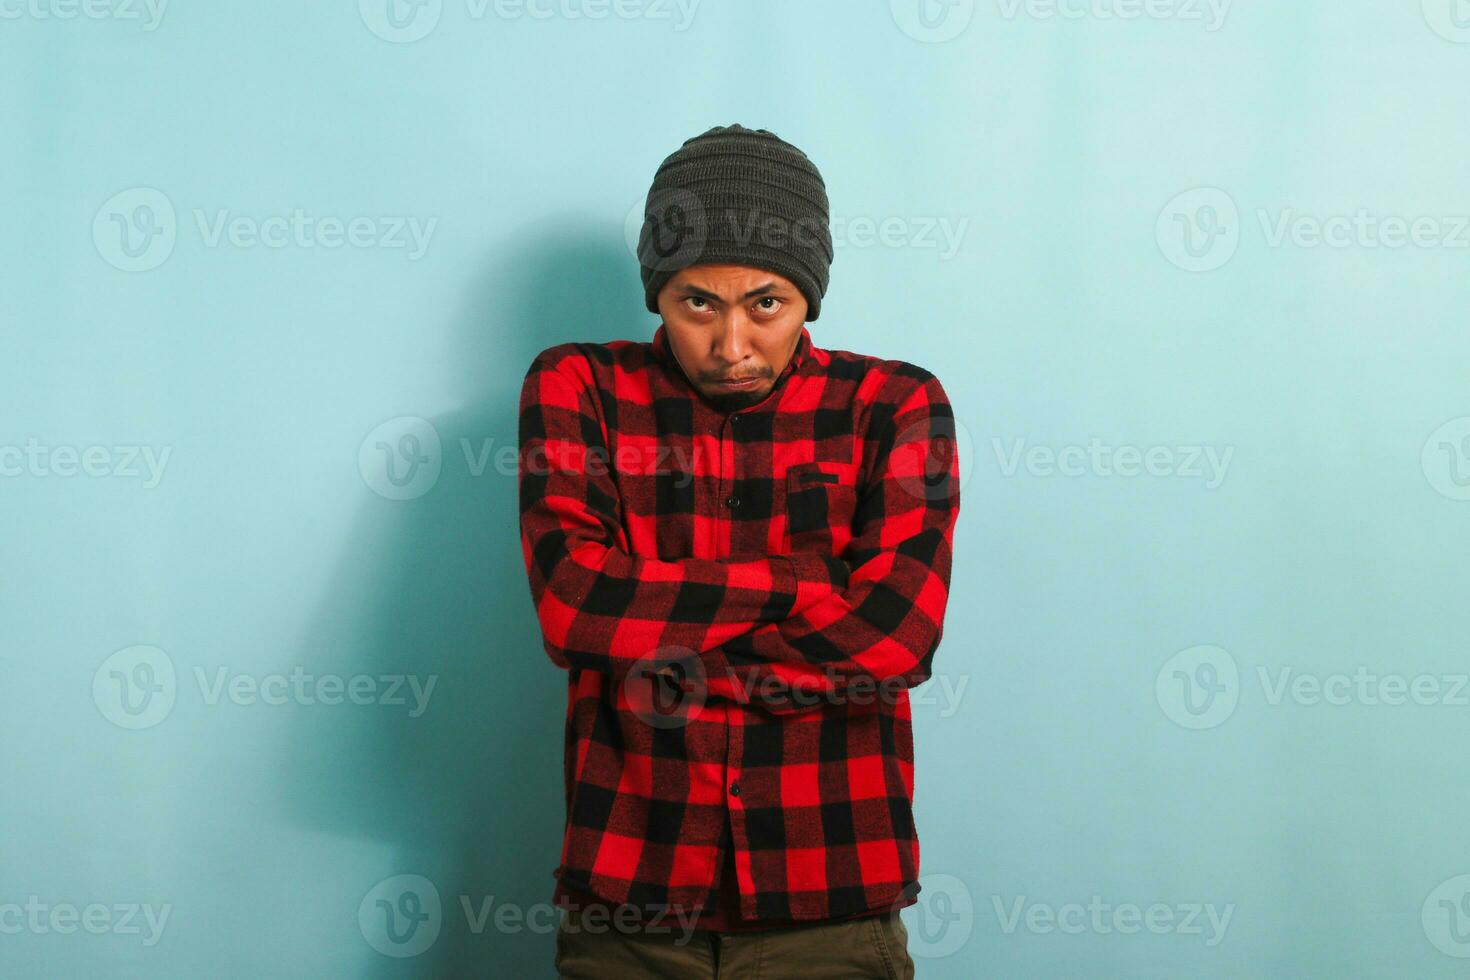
(741, 601)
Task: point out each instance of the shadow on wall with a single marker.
(470, 792)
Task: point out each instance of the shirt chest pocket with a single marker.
(821, 502)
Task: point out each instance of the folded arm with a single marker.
(880, 630)
(600, 607)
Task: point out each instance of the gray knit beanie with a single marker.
(738, 196)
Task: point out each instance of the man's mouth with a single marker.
(738, 384)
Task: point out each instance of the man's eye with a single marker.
(696, 299)
(775, 303)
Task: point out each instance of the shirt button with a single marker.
(734, 789)
(732, 502)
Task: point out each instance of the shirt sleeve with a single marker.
(880, 630)
(601, 608)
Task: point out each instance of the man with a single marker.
(738, 545)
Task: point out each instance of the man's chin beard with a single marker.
(730, 401)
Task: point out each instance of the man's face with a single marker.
(732, 323)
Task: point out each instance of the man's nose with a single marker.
(732, 343)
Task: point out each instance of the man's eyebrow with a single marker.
(692, 290)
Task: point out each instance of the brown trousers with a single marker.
(875, 946)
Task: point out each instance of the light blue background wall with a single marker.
(1108, 726)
